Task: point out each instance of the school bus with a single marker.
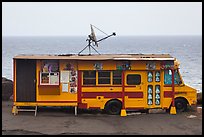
(111, 82)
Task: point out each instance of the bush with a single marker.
(7, 89)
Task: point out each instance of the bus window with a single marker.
(168, 77)
(104, 77)
(133, 79)
(89, 77)
(117, 77)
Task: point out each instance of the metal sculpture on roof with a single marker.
(92, 40)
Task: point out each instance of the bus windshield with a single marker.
(168, 77)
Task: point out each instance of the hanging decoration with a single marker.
(167, 64)
(150, 65)
(98, 66)
(125, 65)
(157, 76)
(157, 95)
(149, 76)
(150, 95)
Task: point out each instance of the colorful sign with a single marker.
(167, 64)
(151, 65)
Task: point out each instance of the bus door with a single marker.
(134, 89)
(153, 89)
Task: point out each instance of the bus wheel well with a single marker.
(182, 98)
(115, 99)
(181, 104)
(113, 106)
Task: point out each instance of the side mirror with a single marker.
(181, 84)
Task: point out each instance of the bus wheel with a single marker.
(113, 107)
(181, 105)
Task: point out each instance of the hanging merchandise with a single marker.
(157, 89)
(157, 95)
(167, 64)
(73, 81)
(150, 65)
(157, 102)
(98, 66)
(50, 66)
(157, 76)
(73, 89)
(119, 67)
(150, 94)
(125, 65)
(69, 78)
(149, 76)
(45, 68)
(149, 89)
(149, 102)
(68, 66)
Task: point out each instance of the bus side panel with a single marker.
(96, 97)
(135, 94)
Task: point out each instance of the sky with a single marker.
(124, 18)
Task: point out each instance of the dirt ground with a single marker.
(61, 121)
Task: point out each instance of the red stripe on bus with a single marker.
(105, 94)
(56, 101)
(82, 105)
(134, 94)
(111, 94)
(168, 94)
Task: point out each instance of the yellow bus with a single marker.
(111, 82)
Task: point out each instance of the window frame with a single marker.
(97, 78)
(46, 64)
(110, 77)
(92, 84)
(178, 74)
(116, 77)
(136, 83)
(49, 75)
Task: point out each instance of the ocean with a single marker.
(187, 49)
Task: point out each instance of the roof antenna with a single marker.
(93, 41)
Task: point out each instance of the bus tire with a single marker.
(113, 107)
(181, 105)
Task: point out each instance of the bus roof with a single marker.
(99, 57)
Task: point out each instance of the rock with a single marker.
(199, 110)
(199, 98)
(192, 116)
(7, 89)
